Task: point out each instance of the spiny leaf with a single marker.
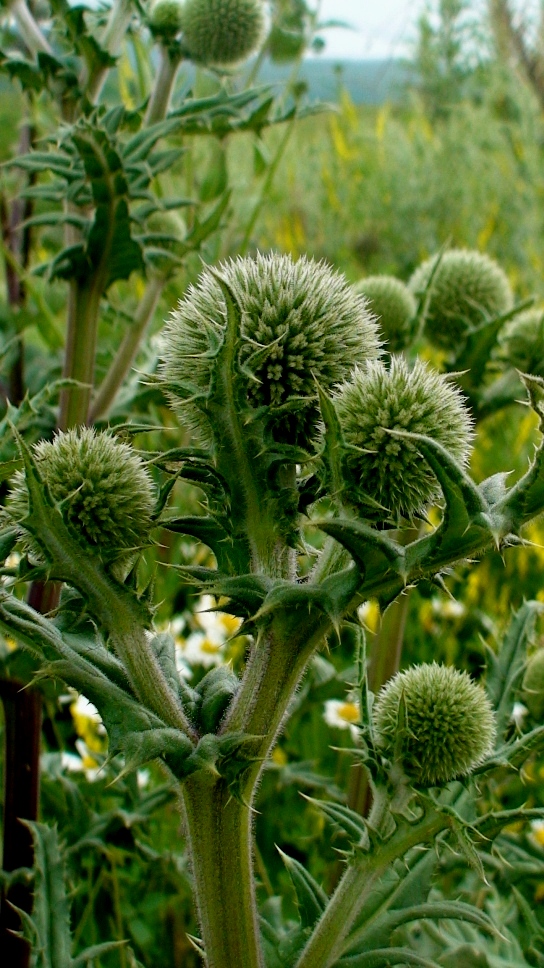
(343, 818)
(387, 956)
(380, 931)
(504, 669)
(50, 912)
(311, 898)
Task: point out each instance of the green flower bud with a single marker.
(522, 342)
(165, 18)
(104, 490)
(446, 726)
(467, 289)
(389, 469)
(533, 685)
(313, 324)
(394, 306)
(222, 32)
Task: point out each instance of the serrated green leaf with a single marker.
(505, 669)
(50, 912)
(311, 898)
(344, 819)
(388, 956)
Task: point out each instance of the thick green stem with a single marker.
(219, 832)
(328, 941)
(30, 31)
(127, 351)
(273, 672)
(164, 84)
(83, 306)
(111, 40)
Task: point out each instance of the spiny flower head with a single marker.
(387, 468)
(467, 289)
(522, 342)
(440, 723)
(165, 18)
(394, 306)
(105, 492)
(310, 323)
(222, 32)
(533, 685)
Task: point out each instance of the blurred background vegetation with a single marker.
(446, 148)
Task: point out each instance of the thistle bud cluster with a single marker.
(436, 721)
(301, 324)
(394, 307)
(221, 32)
(101, 486)
(465, 289)
(375, 407)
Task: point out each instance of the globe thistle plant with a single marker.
(467, 289)
(303, 319)
(105, 492)
(522, 342)
(222, 32)
(394, 306)
(438, 722)
(387, 468)
(533, 685)
(165, 18)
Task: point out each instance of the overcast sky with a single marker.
(383, 28)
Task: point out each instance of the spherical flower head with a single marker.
(394, 306)
(533, 685)
(468, 288)
(522, 342)
(222, 32)
(390, 469)
(104, 489)
(440, 723)
(165, 18)
(311, 322)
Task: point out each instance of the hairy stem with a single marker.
(164, 84)
(83, 307)
(111, 40)
(219, 832)
(327, 943)
(30, 31)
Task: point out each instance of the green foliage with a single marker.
(48, 928)
(275, 518)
